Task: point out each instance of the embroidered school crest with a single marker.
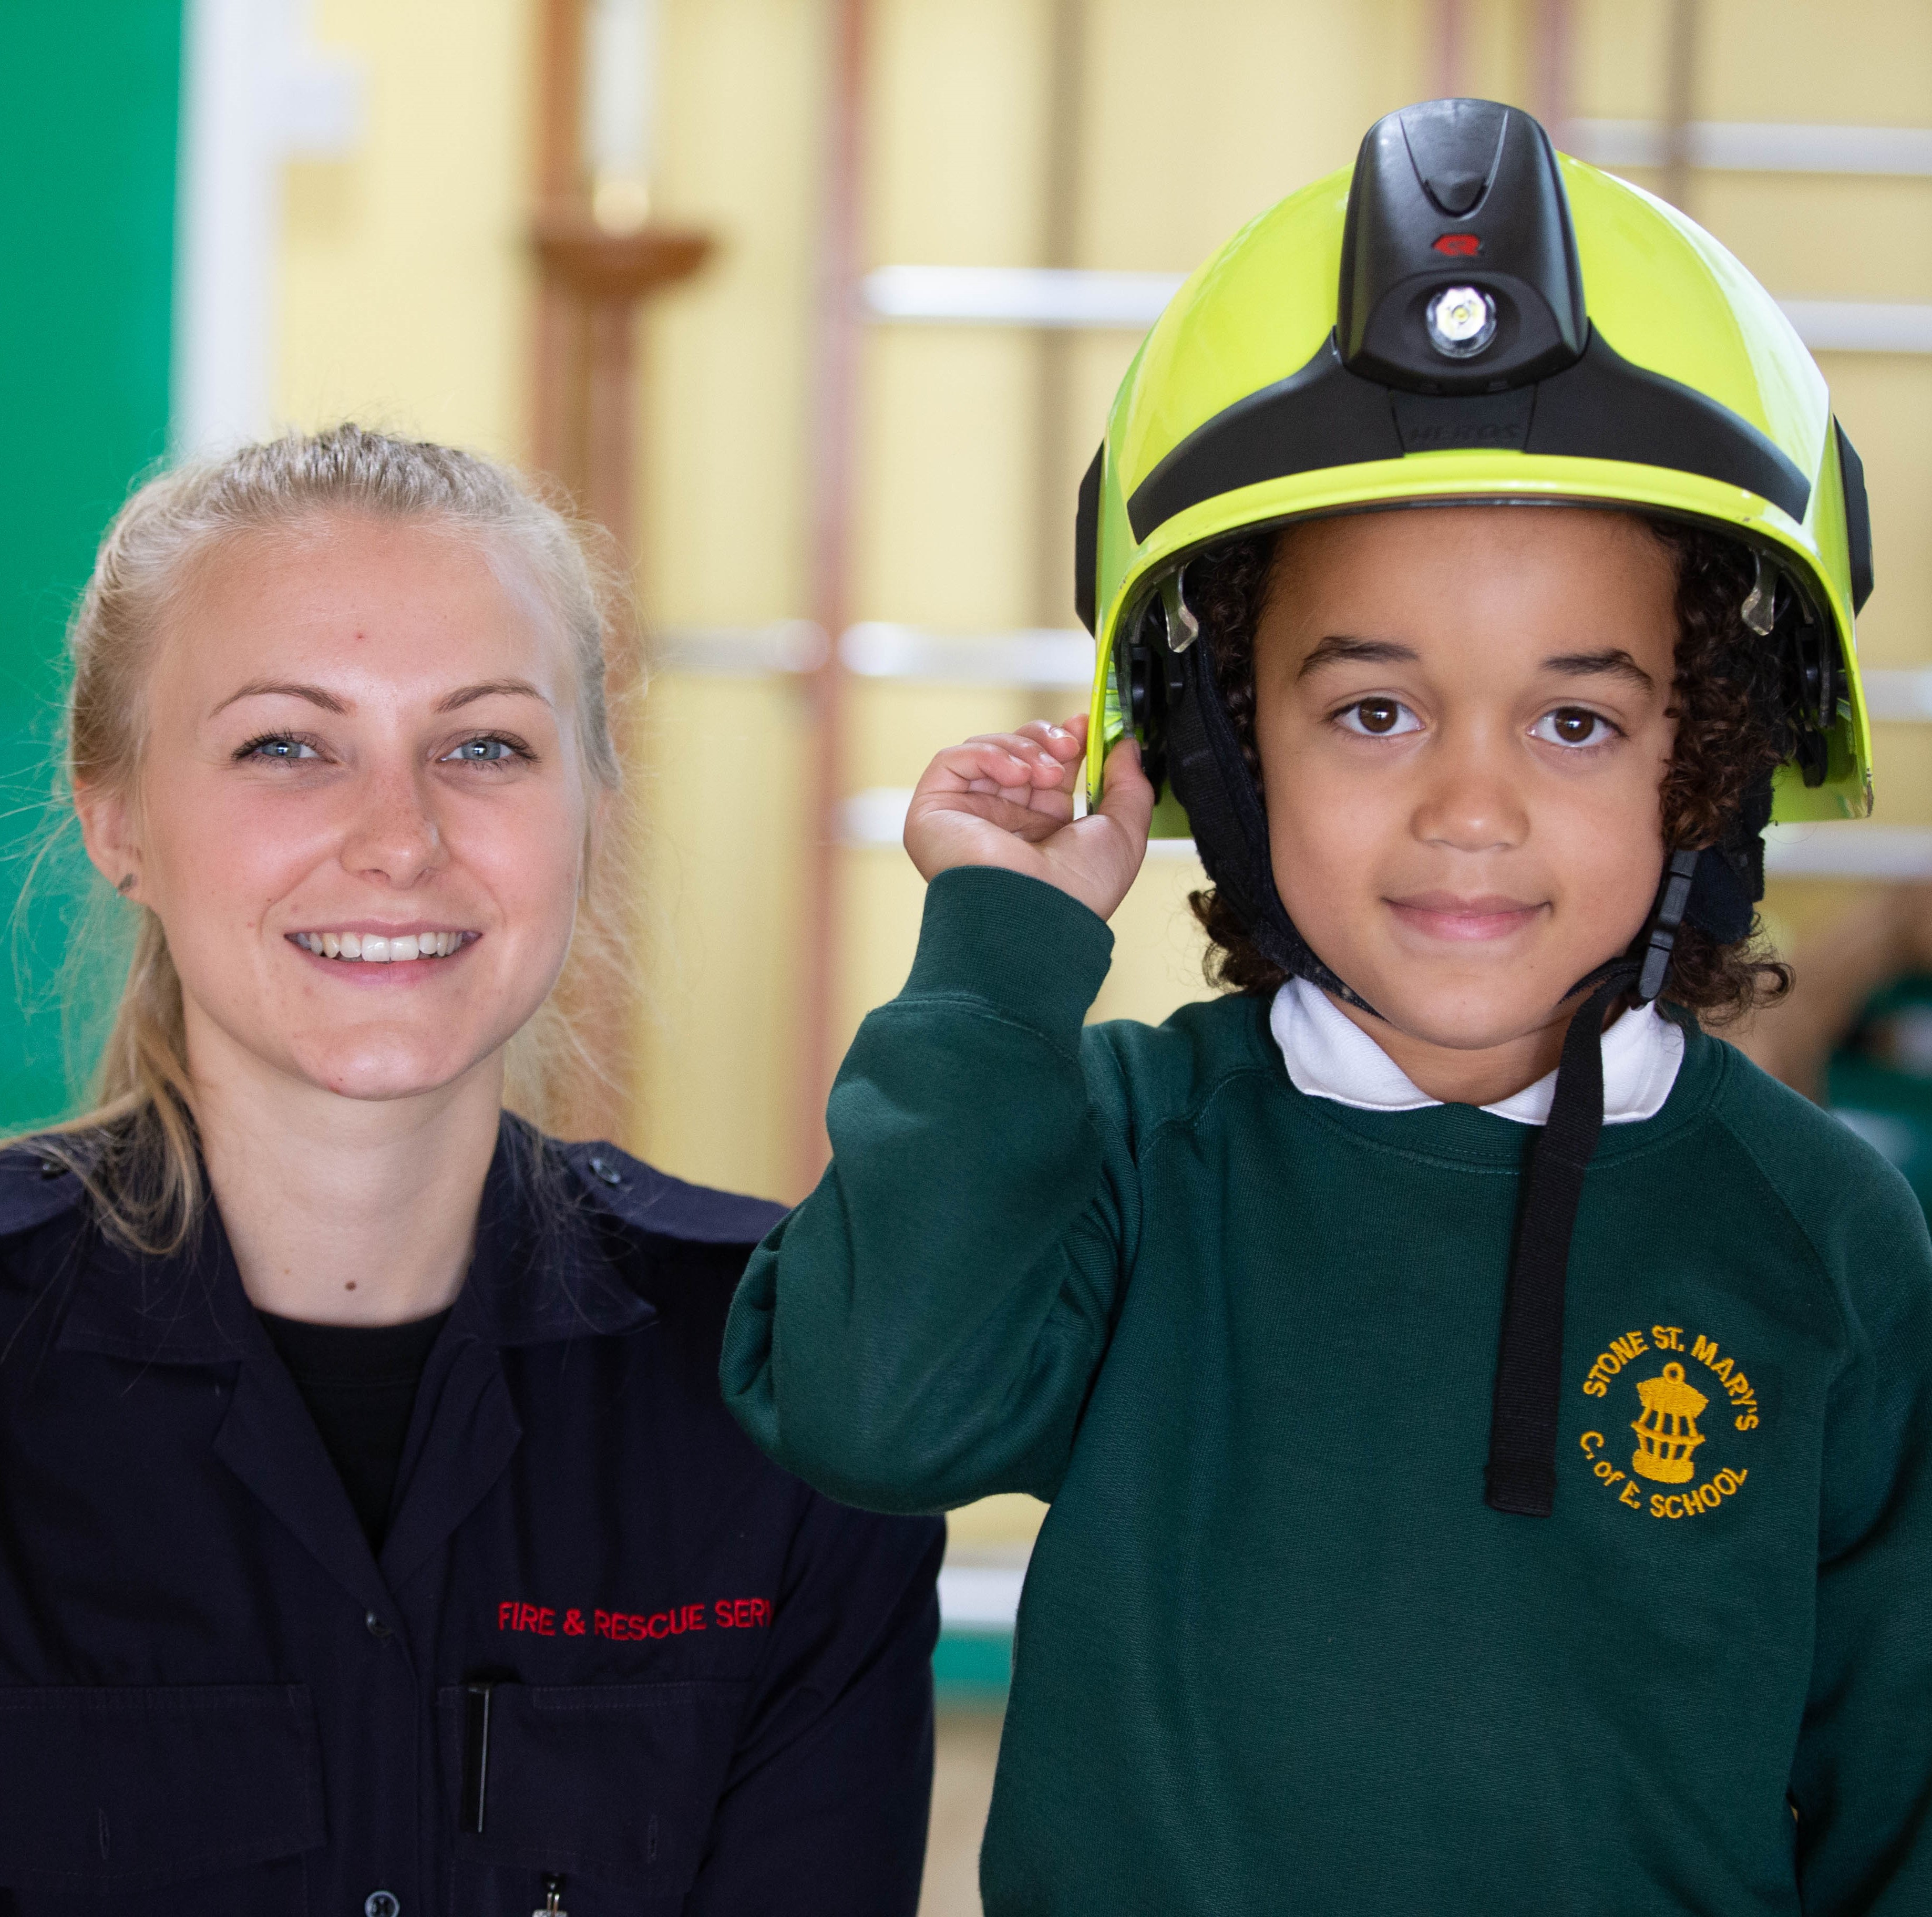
(1680, 1408)
(1667, 1432)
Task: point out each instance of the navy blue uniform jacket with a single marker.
(604, 1640)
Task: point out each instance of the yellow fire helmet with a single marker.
(1467, 316)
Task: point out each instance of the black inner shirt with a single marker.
(359, 1382)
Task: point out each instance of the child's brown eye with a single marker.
(1377, 717)
(1571, 725)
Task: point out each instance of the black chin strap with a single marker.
(1521, 1475)
(1229, 821)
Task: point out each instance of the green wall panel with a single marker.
(89, 104)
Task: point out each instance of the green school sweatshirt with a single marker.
(1274, 1653)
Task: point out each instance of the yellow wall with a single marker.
(404, 279)
(405, 298)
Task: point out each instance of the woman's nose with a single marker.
(393, 833)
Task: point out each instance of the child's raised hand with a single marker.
(1007, 798)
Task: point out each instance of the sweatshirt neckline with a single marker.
(1467, 1135)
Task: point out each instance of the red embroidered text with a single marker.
(723, 1614)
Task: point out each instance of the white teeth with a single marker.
(372, 948)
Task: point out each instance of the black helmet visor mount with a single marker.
(1458, 262)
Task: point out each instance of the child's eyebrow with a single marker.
(1337, 648)
(1587, 665)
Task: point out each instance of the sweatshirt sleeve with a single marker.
(924, 1329)
(1861, 1784)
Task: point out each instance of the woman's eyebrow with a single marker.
(510, 688)
(258, 688)
(464, 695)
(1338, 649)
(1586, 665)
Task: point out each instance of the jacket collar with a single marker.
(547, 1268)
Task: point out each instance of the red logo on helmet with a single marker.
(1458, 246)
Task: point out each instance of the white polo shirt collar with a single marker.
(1329, 1056)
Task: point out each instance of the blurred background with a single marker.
(817, 306)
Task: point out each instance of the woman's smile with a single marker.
(371, 945)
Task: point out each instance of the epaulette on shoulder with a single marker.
(649, 1200)
(34, 1187)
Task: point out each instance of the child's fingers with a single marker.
(1003, 762)
(1031, 743)
(1064, 742)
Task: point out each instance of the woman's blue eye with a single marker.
(279, 748)
(484, 751)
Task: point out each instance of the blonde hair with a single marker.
(135, 1146)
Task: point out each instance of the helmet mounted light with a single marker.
(1462, 322)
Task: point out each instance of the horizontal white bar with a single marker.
(1028, 296)
(1041, 657)
(980, 1597)
(874, 817)
(1861, 325)
(1898, 693)
(1017, 296)
(1756, 146)
(740, 652)
(1853, 849)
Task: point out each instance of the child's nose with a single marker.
(1470, 806)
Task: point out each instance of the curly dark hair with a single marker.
(1732, 732)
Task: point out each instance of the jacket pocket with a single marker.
(611, 1787)
(164, 1799)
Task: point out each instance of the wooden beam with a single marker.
(834, 504)
(590, 284)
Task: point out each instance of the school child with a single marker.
(1486, 1420)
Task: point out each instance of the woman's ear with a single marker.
(107, 829)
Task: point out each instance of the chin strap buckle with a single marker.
(1759, 610)
(1183, 628)
(1674, 897)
